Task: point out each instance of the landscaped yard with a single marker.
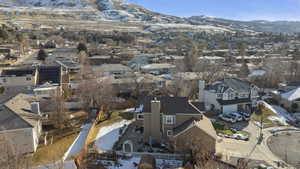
(223, 129)
(116, 116)
(52, 152)
(264, 117)
(272, 115)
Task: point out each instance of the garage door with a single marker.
(230, 108)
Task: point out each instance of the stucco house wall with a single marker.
(195, 138)
(17, 80)
(211, 99)
(21, 140)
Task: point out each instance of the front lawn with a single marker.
(2, 90)
(265, 117)
(52, 152)
(223, 129)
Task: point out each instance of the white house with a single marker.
(229, 95)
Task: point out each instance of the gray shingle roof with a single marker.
(184, 126)
(234, 83)
(10, 120)
(20, 105)
(236, 101)
(172, 105)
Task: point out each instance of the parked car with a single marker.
(227, 118)
(237, 116)
(240, 136)
(245, 115)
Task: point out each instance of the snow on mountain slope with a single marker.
(108, 9)
(46, 3)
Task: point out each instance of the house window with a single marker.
(169, 133)
(160, 84)
(231, 96)
(219, 95)
(140, 116)
(169, 119)
(28, 78)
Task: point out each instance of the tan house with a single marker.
(199, 135)
(20, 125)
(175, 120)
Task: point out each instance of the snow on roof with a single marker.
(257, 73)
(292, 95)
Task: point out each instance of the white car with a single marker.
(227, 118)
(246, 116)
(237, 116)
(241, 137)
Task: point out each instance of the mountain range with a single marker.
(124, 11)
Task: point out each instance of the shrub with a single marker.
(4, 34)
(50, 44)
(81, 47)
(42, 55)
(294, 107)
(2, 90)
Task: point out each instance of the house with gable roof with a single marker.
(20, 125)
(230, 95)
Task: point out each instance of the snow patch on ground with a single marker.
(292, 95)
(49, 3)
(78, 144)
(256, 73)
(207, 28)
(282, 114)
(129, 164)
(109, 135)
(62, 165)
(278, 119)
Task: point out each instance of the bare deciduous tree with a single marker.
(94, 91)
(59, 114)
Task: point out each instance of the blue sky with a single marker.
(231, 9)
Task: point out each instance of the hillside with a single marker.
(259, 25)
(118, 10)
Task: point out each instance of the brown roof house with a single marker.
(175, 121)
(20, 126)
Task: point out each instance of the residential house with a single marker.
(18, 77)
(291, 100)
(20, 126)
(30, 76)
(212, 59)
(116, 70)
(175, 120)
(158, 68)
(286, 87)
(99, 60)
(5, 51)
(229, 95)
(142, 83)
(46, 90)
(48, 74)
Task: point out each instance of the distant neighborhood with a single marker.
(83, 98)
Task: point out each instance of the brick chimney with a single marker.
(155, 120)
